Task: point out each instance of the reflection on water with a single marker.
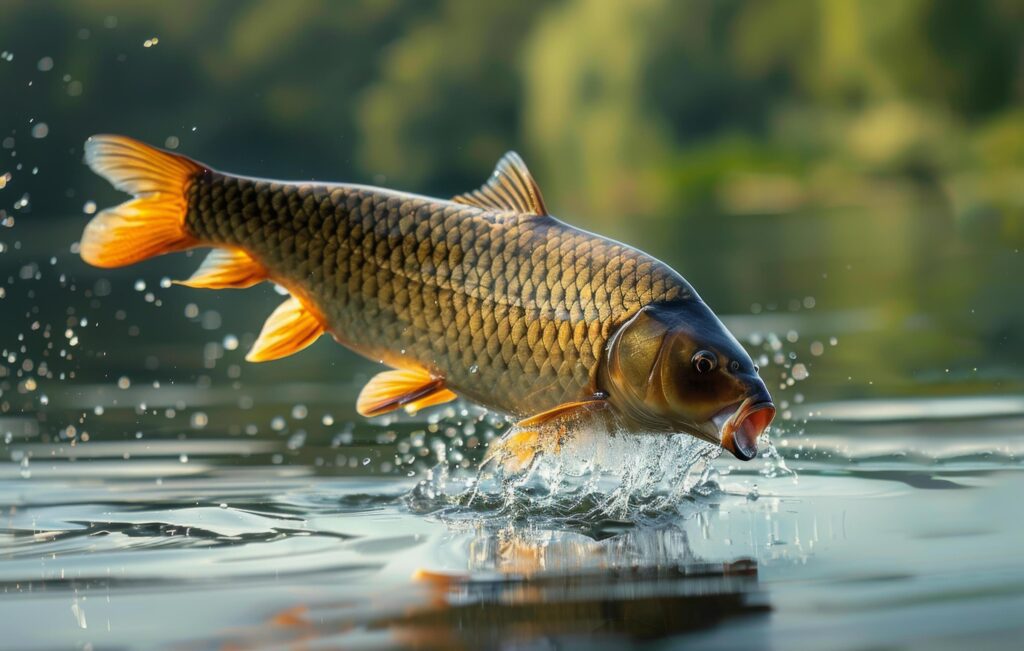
(525, 586)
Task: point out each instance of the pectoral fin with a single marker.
(538, 434)
(412, 389)
(289, 329)
(227, 269)
(516, 450)
(563, 411)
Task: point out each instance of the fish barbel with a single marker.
(485, 295)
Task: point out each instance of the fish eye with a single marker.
(704, 361)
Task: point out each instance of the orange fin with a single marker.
(227, 269)
(562, 411)
(413, 389)
(519, 447)
(511, 188)
(435, 398)
(516, 450)
(153, 222)
(289, 329)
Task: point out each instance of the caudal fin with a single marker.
(154, 221)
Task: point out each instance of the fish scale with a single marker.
(513, 311)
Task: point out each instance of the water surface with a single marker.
(896, 531)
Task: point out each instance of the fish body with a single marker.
(514, 311)
(485, 295)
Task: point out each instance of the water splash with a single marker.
(597, 473)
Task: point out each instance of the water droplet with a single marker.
(199, 420)
(79, 614)
(230, 342)
(40, 130)
(296, 440)
(299, 412)
(799, 372)
(123, 382)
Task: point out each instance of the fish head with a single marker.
(676, 367)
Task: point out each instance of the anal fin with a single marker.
(413, 389)
(227, 269)
(289, 329)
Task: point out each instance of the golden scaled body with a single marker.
(512, 310)
(485, 295)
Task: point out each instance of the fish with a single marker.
(486, 296)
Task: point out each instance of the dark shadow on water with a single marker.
(530, 588)
(913, 479)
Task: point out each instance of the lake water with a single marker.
(901, 527)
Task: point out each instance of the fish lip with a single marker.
(742, 423)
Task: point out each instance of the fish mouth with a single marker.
(740, 426)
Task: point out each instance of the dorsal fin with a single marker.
(511, 188)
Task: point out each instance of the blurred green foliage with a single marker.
(865, 153)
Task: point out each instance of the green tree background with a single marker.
(866, 158)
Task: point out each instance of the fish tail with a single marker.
(153, 222)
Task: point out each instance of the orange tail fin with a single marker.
(153, 222)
